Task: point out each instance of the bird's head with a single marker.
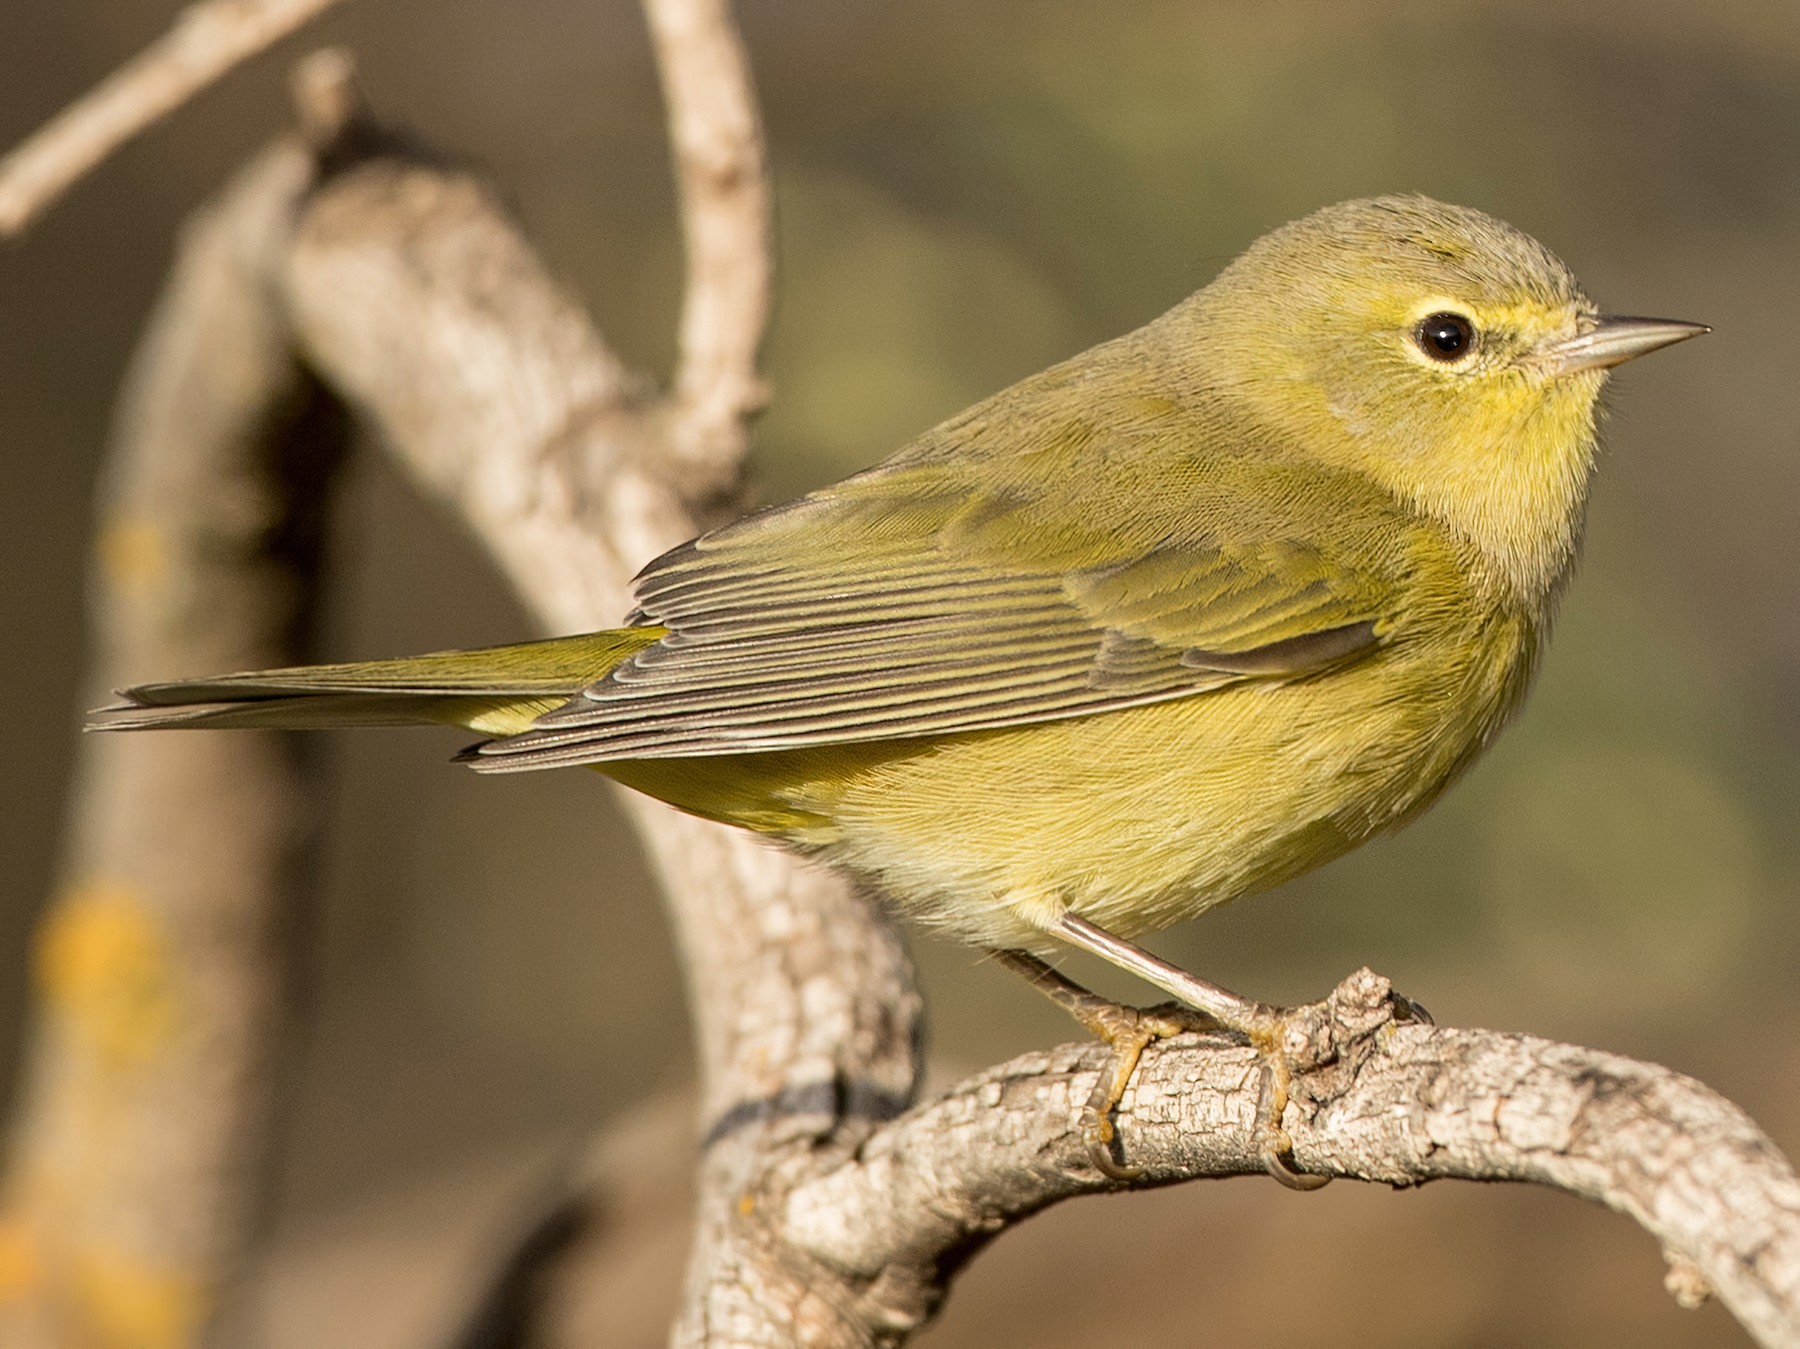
(1435, 349)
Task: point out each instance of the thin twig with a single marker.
(715, 133)
(207, 40)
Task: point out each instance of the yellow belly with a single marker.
(1134, 819)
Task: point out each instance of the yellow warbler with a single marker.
(1170, 622)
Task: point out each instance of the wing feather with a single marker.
(873, 612)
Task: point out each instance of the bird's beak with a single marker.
(1613, 341)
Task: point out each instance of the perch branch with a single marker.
(1393, 1103)
(207, 40)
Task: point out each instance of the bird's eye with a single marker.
(1445, 337)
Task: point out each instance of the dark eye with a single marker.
(1445, 337)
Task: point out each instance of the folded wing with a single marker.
(909, 603)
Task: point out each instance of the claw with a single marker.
(1279, 1037)
(1277, 1147)
(1128, 1030)
(1278, 1165)
(1406, 1009)
(1098, 1133)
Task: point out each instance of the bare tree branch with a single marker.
(207, 40)
(415, 297)
(817, 1223)
(715, 132)
(1397, 1104)
(134, 1160)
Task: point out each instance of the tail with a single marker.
(495, 691)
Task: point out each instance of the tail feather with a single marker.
(495, 691)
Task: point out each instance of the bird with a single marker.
(1175, 620)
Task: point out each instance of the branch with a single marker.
(417, 300)
(135, 1157)
(207, 40)
(715, 132)
(415, 297)
(1397, 1104)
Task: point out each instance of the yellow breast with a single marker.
(1135, 819)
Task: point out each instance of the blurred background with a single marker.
(967, 193)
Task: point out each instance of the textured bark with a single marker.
(416, 299)
(159, 979)
(1394, 1103)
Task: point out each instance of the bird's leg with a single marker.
(1129, 1030)
(1269, 1030)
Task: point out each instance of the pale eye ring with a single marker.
(1447, 336)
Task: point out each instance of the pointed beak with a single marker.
(1613, 341)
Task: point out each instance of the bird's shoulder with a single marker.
(1078, 569)
(1126, 493)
